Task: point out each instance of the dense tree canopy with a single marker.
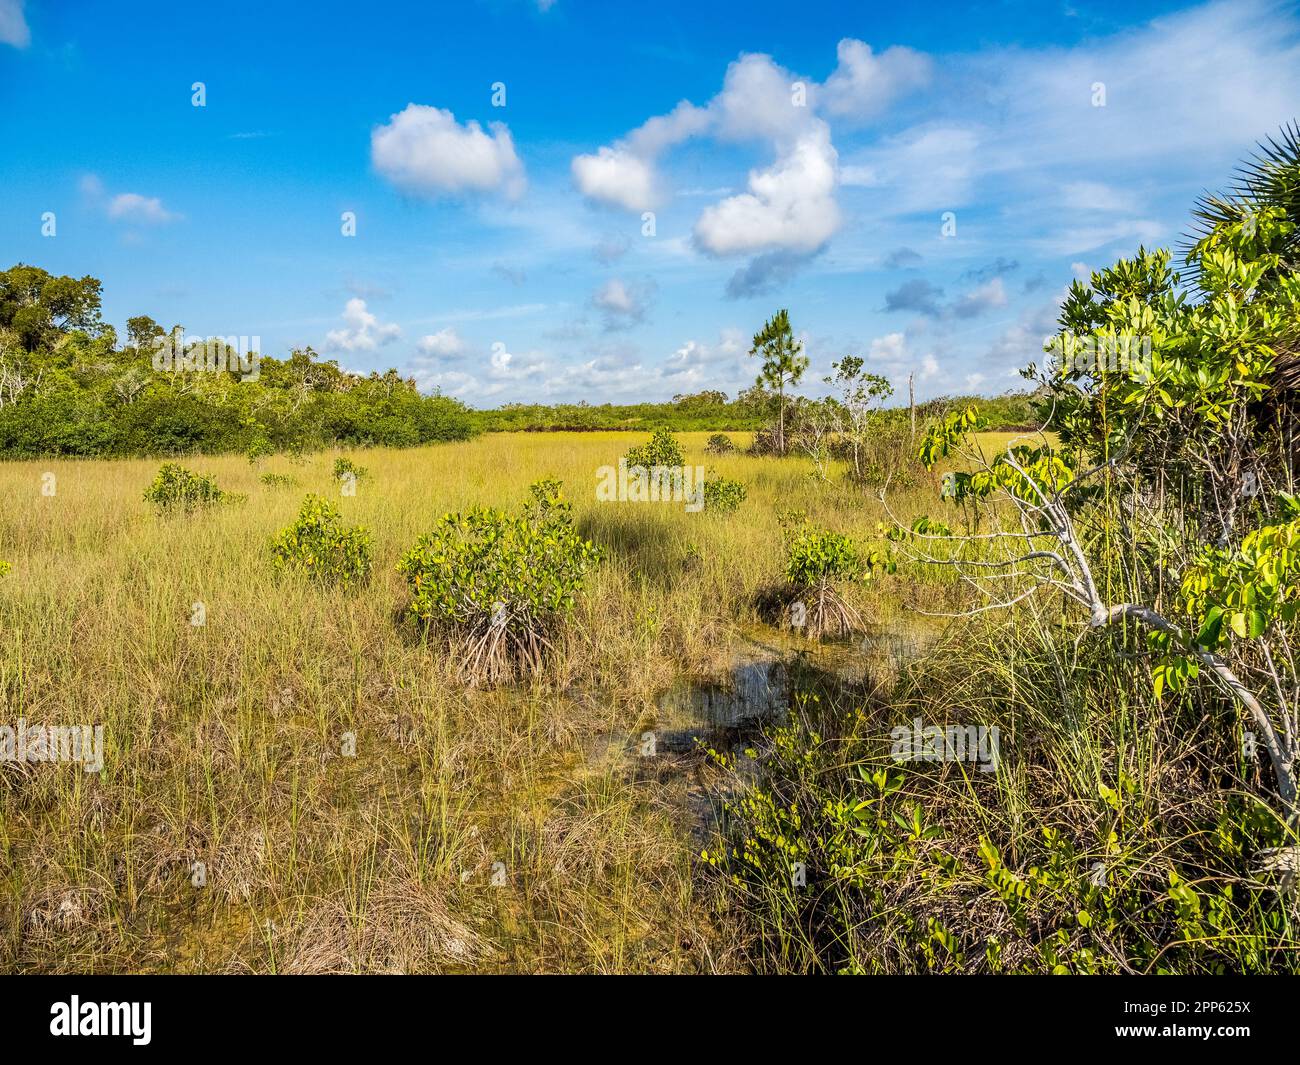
(68, 388)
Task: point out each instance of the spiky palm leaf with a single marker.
(1269, 178)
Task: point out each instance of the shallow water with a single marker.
(754, 693)
(774, 669)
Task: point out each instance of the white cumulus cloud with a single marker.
(424, 150)
(758, 102)
(892, 356)
(622, 304)
(129, 207)
(362, 330)
(789, 206)
(616, 176)
(444, 344)
(978, 300)
(623, 174)
(864, 83)
(132, 207)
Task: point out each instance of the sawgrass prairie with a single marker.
(295, 780)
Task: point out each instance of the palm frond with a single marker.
(1269, 178)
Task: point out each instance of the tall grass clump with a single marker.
(1130, 629)
(228, 744)
(1115, 837)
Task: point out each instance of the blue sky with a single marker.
(792, 155)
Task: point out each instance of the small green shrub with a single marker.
(278, 480)
(817, 561)
(722, 495)
(547, 500)
(259, 449)
(344, 467)
(719, 444)
(500, 584)
(176, 487)
(814, 556)
(319, 544)
(5, 567)
(662, 449)
(765, 442)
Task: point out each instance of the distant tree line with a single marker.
(753, 409)
(696, 412)
(67, 387)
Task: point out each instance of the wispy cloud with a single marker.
(129, 207)
(13, 24)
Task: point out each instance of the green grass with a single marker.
(224, 740)
(515, 829)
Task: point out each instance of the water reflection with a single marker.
(773, 671)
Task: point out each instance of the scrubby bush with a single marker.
(720, 444)
(817, 563)
(259, 449)
(764, 442)
(5, 567)
(344, 467)
(916, 865)
(278, 480)
(322, 546)
(815, 556)
(546, 501)
(73, 389)
(498, 585)
(886, 456)
(722, 495)
(662, 449)
(175, 487)
(1130, 602)
(706, 411)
